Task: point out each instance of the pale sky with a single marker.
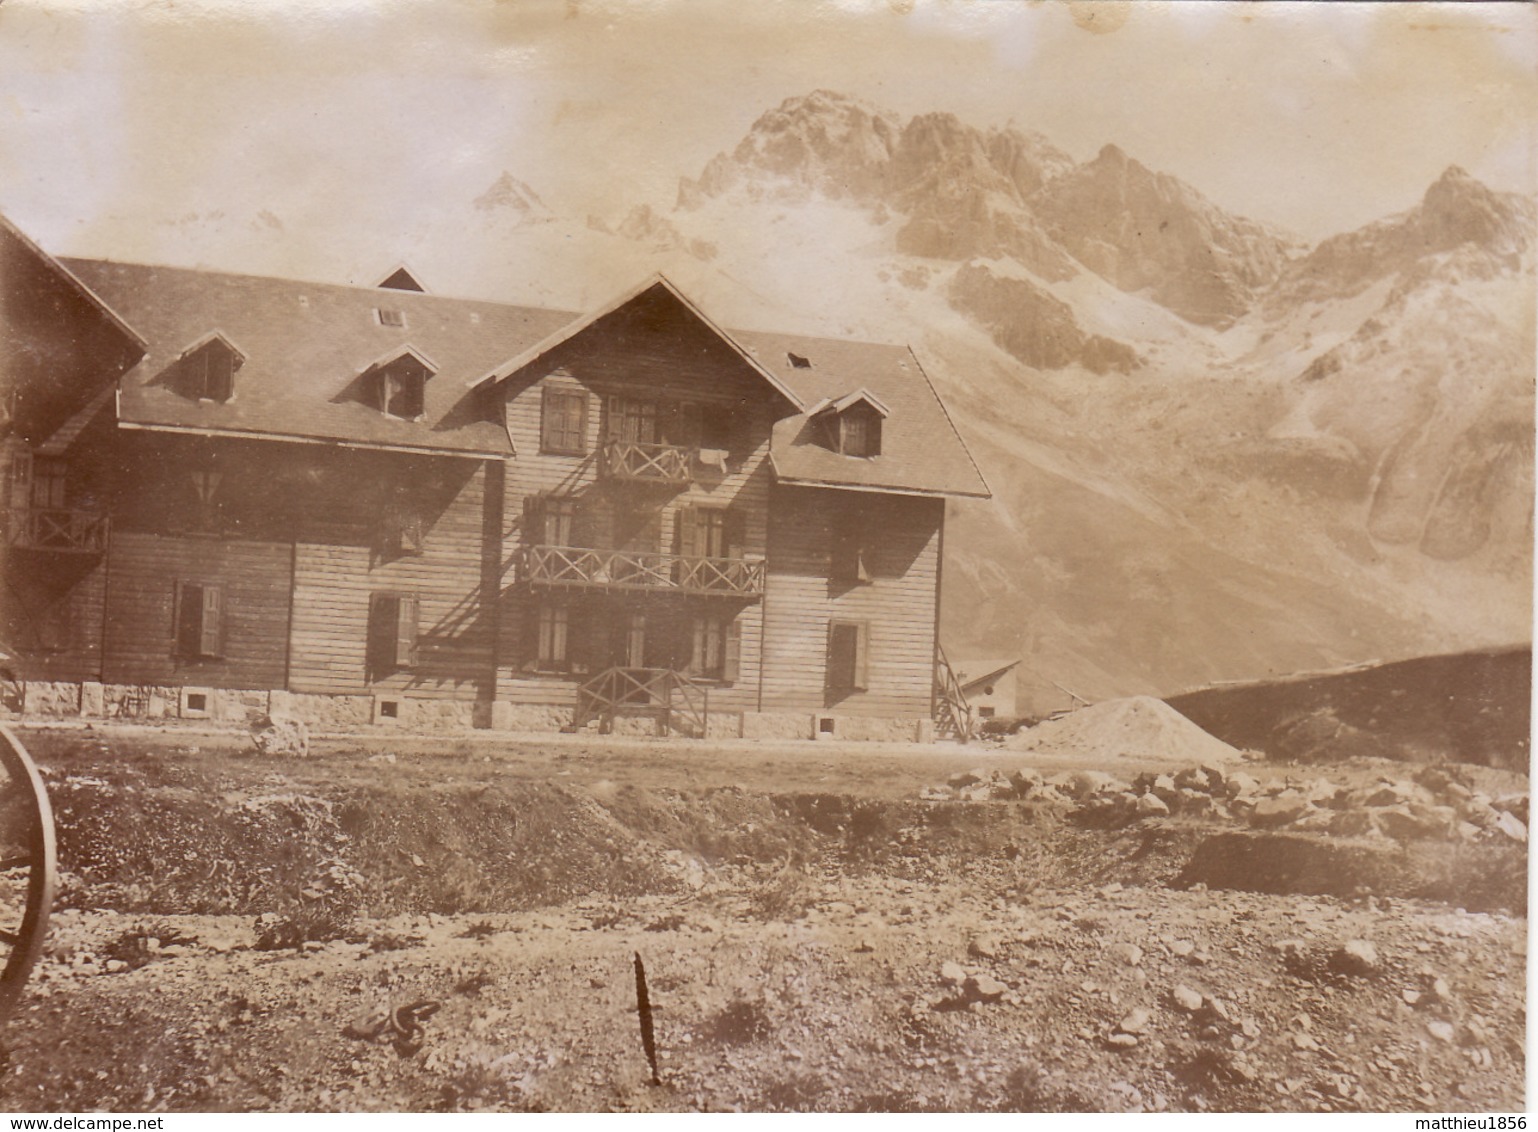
(1316, 117)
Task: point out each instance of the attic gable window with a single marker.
(852, 425)
(797, 361)
(390, 316)
(400, 385)
(207, 371)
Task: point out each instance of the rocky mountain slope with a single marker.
(1216, 453)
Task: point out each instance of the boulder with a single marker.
(1241, 785)
(952, 974)
(1194, 778)
(1511, 826)
(967, 778)
(1152, 806)
(282, 736)
(1355, 957)
(1281, 810)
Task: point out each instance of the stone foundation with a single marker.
(423, 715)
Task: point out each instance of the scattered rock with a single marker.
(1129, 953)
(1120, 1040)
(1136, 1021)
(1152, 806)
(952, 974)
(986, 946)
(1241, 784)
(280, 735)
(1355, 957)
(1281, 810)
(1441, 1031)
(1182, 948)
(1186, 998)
(984, 988)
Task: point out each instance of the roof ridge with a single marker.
(383, 293)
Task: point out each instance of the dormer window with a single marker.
(400, 384)
(390, 316)
(798, 361)
(852, 425)
(206, 372)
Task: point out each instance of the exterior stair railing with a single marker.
(676, 702)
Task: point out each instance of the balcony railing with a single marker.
(632, 570)
(54, 529)
(647, 463)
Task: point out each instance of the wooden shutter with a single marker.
(731, 663)
(686, 533)
(549, 421)
(861, 679)
(187, 629)
(405, 631)
(211, 624)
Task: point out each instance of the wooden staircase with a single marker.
(953, 715)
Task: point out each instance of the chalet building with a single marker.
(228, 495)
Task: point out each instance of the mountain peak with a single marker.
(509, 193)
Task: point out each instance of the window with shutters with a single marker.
(199, 621)
(550, 645)
(716, 652)
(392, 645)
(563, 422)
(848, 645)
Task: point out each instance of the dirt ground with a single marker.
(822, 929)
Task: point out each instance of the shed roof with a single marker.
(306, 345)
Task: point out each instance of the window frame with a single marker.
(558, 435)
(857, 678)
(394, 632)
(199, 616)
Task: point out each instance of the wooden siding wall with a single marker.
(338, 567)
(898, 603)
(51, 613)
(143, 570)
(668, 358)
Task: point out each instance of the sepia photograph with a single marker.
(839, 556)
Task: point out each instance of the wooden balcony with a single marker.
(54, 529)
(628, 462)
(631, 570)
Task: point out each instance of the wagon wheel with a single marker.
(27, 867)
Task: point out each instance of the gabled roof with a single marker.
(921, 451)
(838, 406)
(400, 278)
(215, 336)
(72, 281)
(306, 345)
(405, 350)
(972, 672)
(655, 283)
